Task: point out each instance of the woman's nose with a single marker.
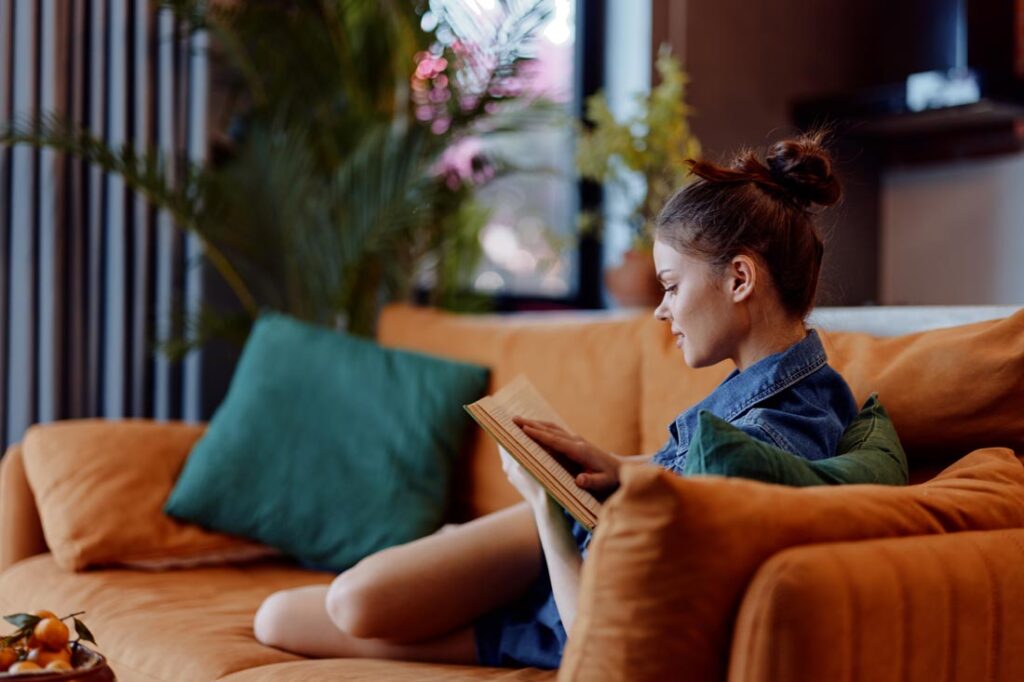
(661, 312)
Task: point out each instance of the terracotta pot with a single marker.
(89, 667)
(633, 284)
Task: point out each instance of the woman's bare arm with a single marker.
(554, 530)
(562, 557)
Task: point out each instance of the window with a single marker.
(529, 240)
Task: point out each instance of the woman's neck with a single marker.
(768, 341)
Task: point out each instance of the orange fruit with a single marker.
(58, 665)
(8, 655)
(51, 633)
(23, 667)
(44, 614)
(45, 656)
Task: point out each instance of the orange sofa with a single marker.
(687, 579)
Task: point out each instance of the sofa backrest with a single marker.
(618, 378)
(585, 365)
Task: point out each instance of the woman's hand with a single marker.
(532, 491)
(601, 469)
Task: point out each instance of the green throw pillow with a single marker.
(328, 447)
(869, 452)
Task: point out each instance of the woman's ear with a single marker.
(741, 277)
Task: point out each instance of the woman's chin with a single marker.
(693, 360)
(687, 358)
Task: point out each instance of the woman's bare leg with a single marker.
(296, 620)
(439, 584)
(414, 601)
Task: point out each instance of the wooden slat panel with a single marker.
(196, 146)
(48, 309)
(76, 310)
(138, 370)
(116, 295)
(164, 401)
(96, 183)
(6, 61)
(89, 272)
(21, 322)
(64, 41)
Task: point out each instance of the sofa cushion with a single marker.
(367, 670)
(329, 447)
(868, 452)
(192, 624)
(100, 487)
(948, 391)
(587, 369)
(672, 556)
(196, 624)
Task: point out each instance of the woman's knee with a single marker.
(271, 623)
(357, 602)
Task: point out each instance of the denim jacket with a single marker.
(792, 399)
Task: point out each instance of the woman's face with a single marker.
(697, 305)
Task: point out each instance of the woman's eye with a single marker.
(671, 289)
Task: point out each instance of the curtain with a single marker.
(90, 274)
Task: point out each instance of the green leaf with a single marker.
(83, 632)
(22, 620)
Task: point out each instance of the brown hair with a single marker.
(762, 209)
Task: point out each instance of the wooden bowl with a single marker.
(89, 667)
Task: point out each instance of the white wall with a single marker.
(954, 233)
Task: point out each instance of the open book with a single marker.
(555, 472)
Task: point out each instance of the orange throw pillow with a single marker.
(948, 391)
(672, 556)
(100, 487)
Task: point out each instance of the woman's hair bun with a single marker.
(803, 168)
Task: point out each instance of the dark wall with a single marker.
(748, 61)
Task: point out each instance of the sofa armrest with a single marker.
(941, 607)
(21, 532)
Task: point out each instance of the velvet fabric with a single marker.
(672, 556)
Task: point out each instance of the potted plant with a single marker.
(649, 149)
(331, 177)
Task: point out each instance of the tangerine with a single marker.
(8, 655)
(45, 656)
(23, 667)
(44, 614)
(51, 633)
(58, 665)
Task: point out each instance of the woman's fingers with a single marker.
(551, 438)
(542, 426)
(572, 447)
(549, 429)
(597, 481)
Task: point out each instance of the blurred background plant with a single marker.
(348, 143)
(645, 154)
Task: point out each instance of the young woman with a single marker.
(738, 255)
